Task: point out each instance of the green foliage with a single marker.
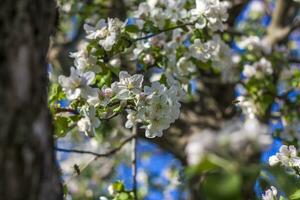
(295, 196)
(119, 192)
(284, 181)
(222, 186)
(55, 93)
(132, 28)
(223, 179)
(61, 126)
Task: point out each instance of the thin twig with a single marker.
(294, 60)
(97, 155)
(163, 31)
(69, 110)
(134, 162)
(75, 112)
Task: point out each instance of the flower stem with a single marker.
(163, 31)
(134, 162)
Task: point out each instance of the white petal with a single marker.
(73, 94)
(123, 75)
(89, 77)
(273, 160)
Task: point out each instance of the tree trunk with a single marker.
(27, 159)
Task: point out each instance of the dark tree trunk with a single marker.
(27, 159)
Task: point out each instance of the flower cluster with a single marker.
(241, 139)
(77, 84)
(214, 50)
(157, 107)
(89, 122)
(270, 194)
(211, 13)
(178, 53)
(106, 33)
(255, 44)
(287, 156)
(247, 106)
(160, 11)
(258, 69)
(84, 61)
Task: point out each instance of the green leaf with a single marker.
(286, 182)
(103, 78)
(65, 189)
(118, 186)
(132, 28)
(123, 196)
(296, 195)
(55, 93)
(222, 186)
(61, 126)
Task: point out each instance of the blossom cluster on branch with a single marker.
(287, 157)
(175, 42)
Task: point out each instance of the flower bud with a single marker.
(115, 62)
(148, 59)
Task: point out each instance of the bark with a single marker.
(27, 159)
(283, 21)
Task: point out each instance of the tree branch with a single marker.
(97, 155)
(235, 10)
(283, 21)
(294, 60)
(163, 31)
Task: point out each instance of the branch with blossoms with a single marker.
(107, 39)
(163, 31)
(288, 158)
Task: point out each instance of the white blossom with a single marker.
(158, 111)
(199, 145)
(250, 133)
(106, 32)
(201, 51)
(77, 84)
(218, 52)
(235, 137)
(255, 44)
(85, 62)
(89, 122)
(115, 62)
(184, 66)
(100, 97)
(287, 156)
(159, 11)
(258, 69)
(148, 59)
(270, 194)
(131, 119)
(214, 11)
(143, 10)
(158, 106)
(128, 85)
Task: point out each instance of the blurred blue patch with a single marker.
(273, 149)
(154, 165)
(64, 103)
